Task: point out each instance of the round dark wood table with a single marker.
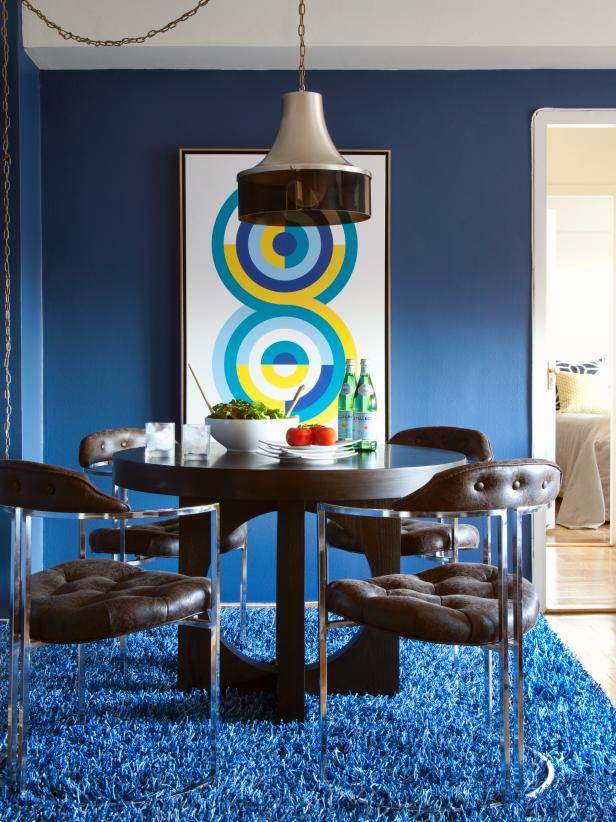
(248, 485)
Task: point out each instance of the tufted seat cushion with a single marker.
(452, 604)
(160, 539)
(91, 599)
(417, 537)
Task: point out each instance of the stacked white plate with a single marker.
(321, 454)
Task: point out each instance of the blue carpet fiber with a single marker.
(425, 748)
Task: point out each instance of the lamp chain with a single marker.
(123, 41)
(6, 162)
(301, 30)
(6, 232)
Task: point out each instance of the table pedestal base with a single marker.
(368, 664)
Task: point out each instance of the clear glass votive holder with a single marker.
(196, 441)
(159, 439)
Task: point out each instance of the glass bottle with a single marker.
(364, 411)
(345, 402)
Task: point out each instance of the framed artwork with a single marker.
(266, 309)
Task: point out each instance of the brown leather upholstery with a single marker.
(91, 599)
(160, 539)
(492, 485)
(417, 537)
(102, 445)
(39, 487)
(453, 604)
(468, 441)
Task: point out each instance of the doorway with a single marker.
(574, 255)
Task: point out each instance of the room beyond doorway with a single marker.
(574, 273)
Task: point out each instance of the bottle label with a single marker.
(346, 388)
(365, 389)
(364, 425)
(345, 425)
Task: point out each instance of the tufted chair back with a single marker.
(474, 444)
(102, 445)
(506, 484)
(39, 487)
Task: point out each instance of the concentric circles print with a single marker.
(284, 335)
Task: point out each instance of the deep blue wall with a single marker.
(26, 278)
(460, 238)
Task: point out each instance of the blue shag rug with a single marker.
(424, 748)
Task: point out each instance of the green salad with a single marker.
(243, 410)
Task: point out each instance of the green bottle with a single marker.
(345, 402)
(364, 411)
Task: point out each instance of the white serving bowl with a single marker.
(244, 435)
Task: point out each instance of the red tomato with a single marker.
(299, 436)
(324, 436)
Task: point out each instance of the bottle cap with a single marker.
(350, 362)
(364, 361)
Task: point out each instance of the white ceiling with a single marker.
(340, 34)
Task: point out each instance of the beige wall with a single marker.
(581, 157)
(582, 191)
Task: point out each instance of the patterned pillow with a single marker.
(583, 394)
(591, 367)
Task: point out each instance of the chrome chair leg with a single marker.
(518, 636)
(82, 539)
(454, 538)
(215, 654)
(214, 700)
(455, 555)
(14, 650)
(123, 655)
(322, 582)
(503, 607)
(22, 736)
(489, 700)
(24, 644)
(124, 495)
(487, 545)
(81, 681)
(243, 594)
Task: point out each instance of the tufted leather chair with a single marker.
(145, 542)
(428, 539)
(88, 599)
(458, 603)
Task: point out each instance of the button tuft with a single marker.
(516, 485)
(544, 484)
(102, 446)
(51, 489)
(123, 443)
(16, 485)
(479, 486)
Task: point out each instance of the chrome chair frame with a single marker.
(503, 646)
(104, 469)
(20, 644)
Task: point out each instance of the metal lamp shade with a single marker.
(303, 180)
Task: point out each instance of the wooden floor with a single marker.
(567, 536)
(581, 577)
(559, 535)
(592, 638)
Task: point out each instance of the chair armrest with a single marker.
(151, 513)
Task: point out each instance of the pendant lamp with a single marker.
(303, 180)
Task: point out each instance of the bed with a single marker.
(583, 453)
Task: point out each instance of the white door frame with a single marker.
(540, 352)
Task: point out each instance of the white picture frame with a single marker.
(265, 309)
